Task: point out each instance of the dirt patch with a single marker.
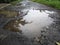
(8, 13)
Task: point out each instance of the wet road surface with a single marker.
(39, 25)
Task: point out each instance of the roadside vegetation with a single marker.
(13, 2)
(52, 3)
(7, 1)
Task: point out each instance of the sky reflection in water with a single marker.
(36, 21)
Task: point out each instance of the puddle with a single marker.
(32, 23)
(12, 25)
(36, 21)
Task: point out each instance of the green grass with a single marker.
(15, 2)
(52, 3)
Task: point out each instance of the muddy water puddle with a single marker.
(8, 14)
(12, 25)
(32, 23)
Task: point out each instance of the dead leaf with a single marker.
(58, 43)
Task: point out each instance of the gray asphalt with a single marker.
(48, 36)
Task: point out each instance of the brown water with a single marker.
(36, 21)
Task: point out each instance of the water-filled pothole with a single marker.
(36, 21)
(32, 23)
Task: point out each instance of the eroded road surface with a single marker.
(36, 24)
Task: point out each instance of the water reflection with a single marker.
(12, 25)
(36, 21)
